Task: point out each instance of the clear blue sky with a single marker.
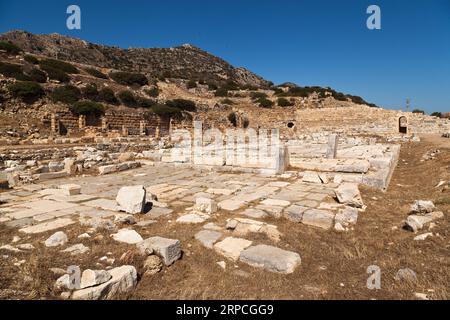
(310, 42)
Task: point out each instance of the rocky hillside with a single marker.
(185, 62)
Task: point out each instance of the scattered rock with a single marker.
(406, 274)
(208, 237)
(348, 193)
(168, 249)
(90, 278)
(422, 237)
(271, 258)
(127, 236)
(132, 199)
(191, 218)
(76, 249)
(152, 265)
(70, 189)
(123, 281)
(222, 264)
(422, 206)
(57, 239)
(205, 205)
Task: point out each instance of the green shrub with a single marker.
(265, 103)
(56, 74)
(28, 91)
(127, 98)
(233, 119)
(90, 91)
(182, 104)
(165, 110)
(107, 95)
(212, 86)
(191, 84)
(230, 85)
(128, 78)
(30, 59)
(145, 102)
(37, 75)
(66, 94)
(87, 107)
(153, 92)
(418, 111)
(9, 47)
(221, 92)
(228, 102)
(437, 114)
(13, 71)
(245, 123)
(257, 95)
(283, 102)
(58, 65)
(277, 91)
(96, 73)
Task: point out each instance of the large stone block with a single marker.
(131, 199)
(168, 249)
(271, 258)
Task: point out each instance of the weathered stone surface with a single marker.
(406, 274)
(232, 247)
(127, 236)
(231, 204)
(423, 237)
(152, 265)
(70, 189)
(348, 193)
(318, 218)
(295, 212)
(131, 199)
(90, 278)
(208, 237)
(422, 206)
(123, 281)
(311, 177)
(57, 239)
(271, 258)
(191, 218)
(275, 202)
(107, 169)
(47, 226)
(205, 205)
(168, 249)
(346, 216)
(76, 249)
(255, 213)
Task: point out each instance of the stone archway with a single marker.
(403, 125)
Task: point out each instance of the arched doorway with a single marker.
(403, 125)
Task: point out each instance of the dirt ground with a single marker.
(334, 265)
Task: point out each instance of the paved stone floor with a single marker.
(247, 199)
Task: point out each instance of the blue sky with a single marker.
(310, 42)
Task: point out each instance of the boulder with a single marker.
(127, 236)
(232, 247)
(271, 258)
(90, 278)
(123, 281)
(131, 199)
(348, 193)
(168, 249)
(205, 205)
(422, 206)
(152, 265)
(57, 239)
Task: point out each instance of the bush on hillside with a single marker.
(153, 92)
(56, 74)
(145, 102)
(58, 65)
(96, 73)
(66, 94)
(127, 98)
(233, 119)
(228, 102)
(257, 95)
(30, 59)
(38, 75)
(28, 91)
(9, 47)
(87, 107)
(107, 95)
(221, 92)
(128, 78)
(191, 84)
(283, 102)
(418, 111)
(13, 71)
(165, 110)
(182, 104)
(265, 103)
(90, 91)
